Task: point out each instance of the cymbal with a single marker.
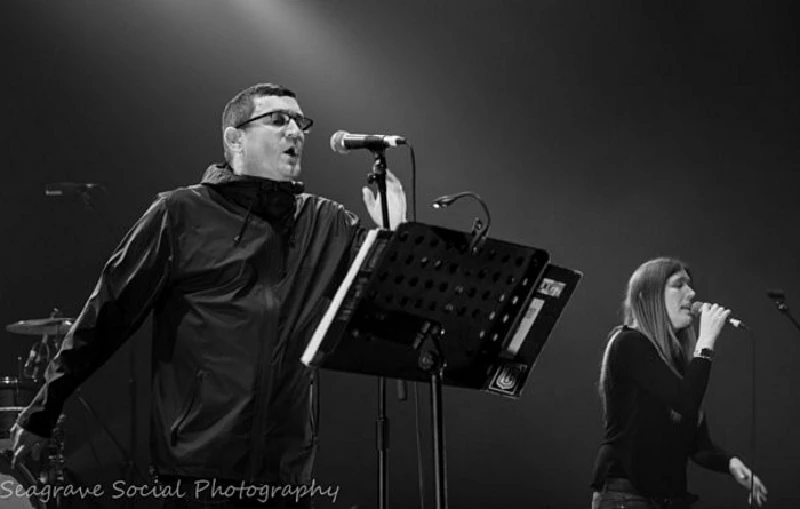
(39, 326)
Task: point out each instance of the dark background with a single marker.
(607, 133)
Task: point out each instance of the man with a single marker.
(237, 271)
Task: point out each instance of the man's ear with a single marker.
(233, 139)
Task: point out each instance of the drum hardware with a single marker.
(32, 485)
(38, 358)
(53, 474)
(56, 326)
(53, 326)
(82, 190)
(14, 389)
(15, 395)
(20, 478)
(28, 383)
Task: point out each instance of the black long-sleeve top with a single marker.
(651, 422)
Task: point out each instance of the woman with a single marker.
(652, 380)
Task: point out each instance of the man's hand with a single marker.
(26, 444)
(395, 197)
(742, 474)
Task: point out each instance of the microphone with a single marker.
(343, 142)
(69, 188)
(731, 320)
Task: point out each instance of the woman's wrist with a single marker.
(704, 344)
(704, 352)
(734, 464)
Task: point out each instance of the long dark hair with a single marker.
(645, 310)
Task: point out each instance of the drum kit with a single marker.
(31, 485)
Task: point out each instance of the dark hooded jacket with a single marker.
(237, 272)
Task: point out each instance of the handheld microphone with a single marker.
(731, 320)
(68, 188)
(343, 142)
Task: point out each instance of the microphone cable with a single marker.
(417, 400)
(753, 419)
(413, 182)
(420, 466)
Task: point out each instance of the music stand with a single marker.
(420, 305)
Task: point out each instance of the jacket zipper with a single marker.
(173, 430)
(264, 377)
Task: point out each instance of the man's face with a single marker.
(269, 149)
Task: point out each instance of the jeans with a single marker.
(620, 500)
(618, 493)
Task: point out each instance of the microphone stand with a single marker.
(784, 309)
(779, 299)
(130, 462)
(378, 177)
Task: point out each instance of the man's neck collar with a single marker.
(240, 171)
(224, 174)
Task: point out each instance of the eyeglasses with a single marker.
(281, 118)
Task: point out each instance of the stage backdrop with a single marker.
(607, 133)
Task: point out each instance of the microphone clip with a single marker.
(478, 236)
(778, 297)
(479, 232)
(378, 177)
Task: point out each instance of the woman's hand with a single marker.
(713, 318)
(744, 476)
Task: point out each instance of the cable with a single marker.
(420, 470)
(413, 183)
(753, 421)
(418, 428)
(315, 407)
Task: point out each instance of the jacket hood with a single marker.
(273, 201)
(218, 174)
(221, 173)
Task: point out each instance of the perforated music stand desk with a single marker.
(417, 305)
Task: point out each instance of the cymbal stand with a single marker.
(130, 463)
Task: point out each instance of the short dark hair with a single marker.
(241, 107)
